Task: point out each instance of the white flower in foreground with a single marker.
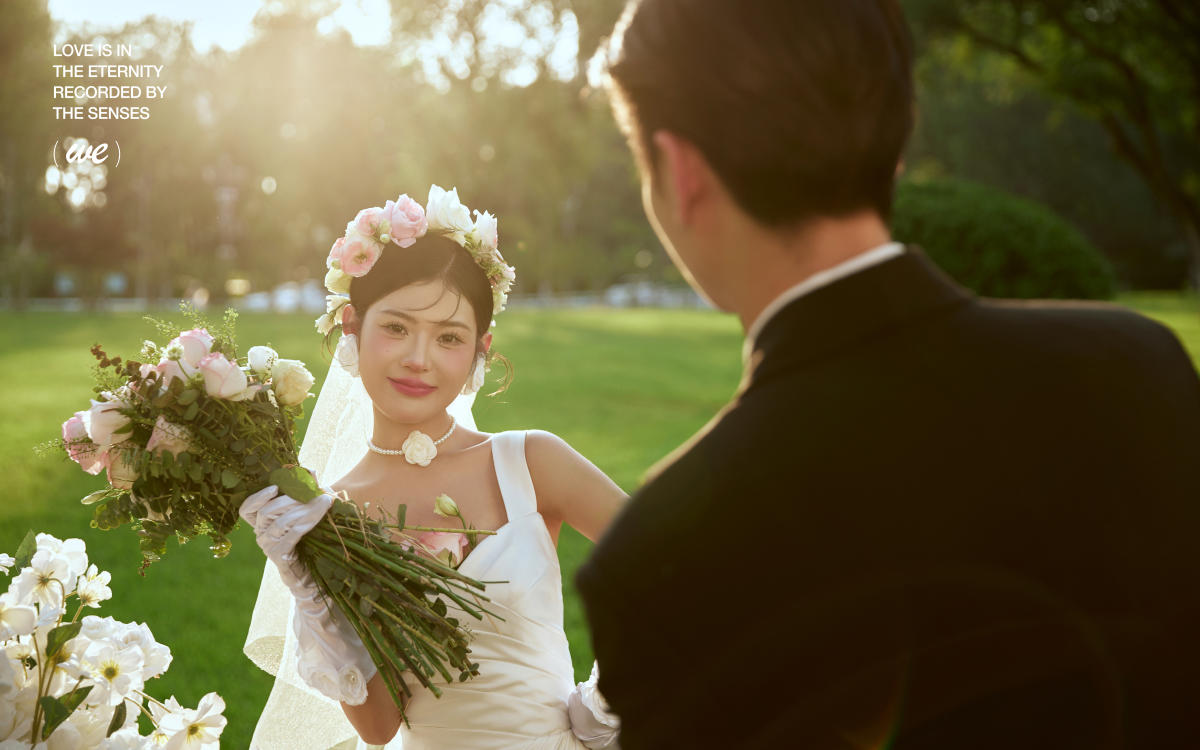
(15, 619)
(93, 587)
(156, 657)
(47, 581)
(199, 728)
(6, 562)
(127, 739)
(291, 381)
(73, 549)
(116, 672)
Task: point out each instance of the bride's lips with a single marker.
(412, 386)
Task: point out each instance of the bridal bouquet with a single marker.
(79, 682)
(187, 434)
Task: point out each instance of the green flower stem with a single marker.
(435, 619)
(432, 528)
(376, 649)
(432, 565)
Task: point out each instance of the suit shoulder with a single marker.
(1082, 327)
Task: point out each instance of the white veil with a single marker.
(297, 716)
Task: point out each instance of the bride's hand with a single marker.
(279, 522)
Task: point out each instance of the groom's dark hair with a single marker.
(801, 107)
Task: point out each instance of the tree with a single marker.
(1132, 65)
(24, 124)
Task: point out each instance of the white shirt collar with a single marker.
(859, 262)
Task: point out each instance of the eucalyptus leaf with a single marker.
(296, 482)
(187, 397)
(229, 480)
(94, 497)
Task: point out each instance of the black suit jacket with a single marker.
(925, 517)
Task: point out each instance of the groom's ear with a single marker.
(684, 174)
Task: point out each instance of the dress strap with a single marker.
(512, 472)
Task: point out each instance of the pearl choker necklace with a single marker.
(418, 448)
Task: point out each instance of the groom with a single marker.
(926, 520)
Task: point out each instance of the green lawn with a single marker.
(623, 387)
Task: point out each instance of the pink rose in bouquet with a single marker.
(448, 547)
(168, 437)
(223, 378)
(79, 446)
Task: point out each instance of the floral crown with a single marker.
(401, 222)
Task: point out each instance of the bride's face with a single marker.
(416, 348)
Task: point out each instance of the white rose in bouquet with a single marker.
(261, 359)
(103, 421)
(291, 381)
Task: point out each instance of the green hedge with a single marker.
(998, 244)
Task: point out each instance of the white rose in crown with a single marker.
(291, 381)
(487, 232)
(338, 281)
(418, 448)
(447, 215)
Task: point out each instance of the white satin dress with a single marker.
(519, 699)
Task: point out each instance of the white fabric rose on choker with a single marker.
(418, 448)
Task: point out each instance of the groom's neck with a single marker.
(776, 262)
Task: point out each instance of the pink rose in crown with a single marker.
(223, 378)
(359, 254)
(79, 446)
(370, 222)
(408, 220)
(335, 252)
(448, 547)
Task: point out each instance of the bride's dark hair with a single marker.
(431, 258)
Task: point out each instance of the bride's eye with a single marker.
(395, 328)
(451, 338)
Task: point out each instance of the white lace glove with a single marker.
(331, 658)
(591, 721)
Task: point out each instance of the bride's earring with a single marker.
(347, 353)
(475, 382)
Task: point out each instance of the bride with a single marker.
(414, 291)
